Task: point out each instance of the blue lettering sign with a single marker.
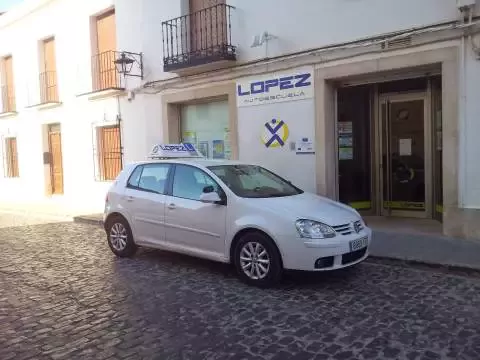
(283, 83)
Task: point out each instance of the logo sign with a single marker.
(356, 227)
(274, 88)
(174, 150)
(275, 134)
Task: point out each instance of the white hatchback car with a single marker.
(230, 212)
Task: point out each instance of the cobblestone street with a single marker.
(63, 295)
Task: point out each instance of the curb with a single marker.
(36, 214)
(87, 220)
(424, 264)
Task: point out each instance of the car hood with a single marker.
(310, 206)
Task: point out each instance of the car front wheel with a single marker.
(120, 238)
(258, 260)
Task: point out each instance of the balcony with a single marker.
(105, 75)
(7, 105)
(198, 39)
(48, 87)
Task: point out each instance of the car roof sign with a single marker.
(174, 151)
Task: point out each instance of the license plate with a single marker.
(358, 244)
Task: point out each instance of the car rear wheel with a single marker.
(258, 260)
(120, 238)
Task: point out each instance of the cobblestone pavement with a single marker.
(63, 295)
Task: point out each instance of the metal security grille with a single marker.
(109, 152)
(11, 158)
(48, 87)
(104, 72)
(201, 37)
(8, 99)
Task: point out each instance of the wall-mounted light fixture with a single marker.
(125, 64)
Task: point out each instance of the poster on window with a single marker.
(203, 148)
(228, 146)
(218, 147)
(190, 137)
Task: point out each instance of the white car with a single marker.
(231, 212)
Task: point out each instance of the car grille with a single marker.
(347, 229)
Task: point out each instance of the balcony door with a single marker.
(104, 72)
(48, 79)
(208, 26)
(8, 86)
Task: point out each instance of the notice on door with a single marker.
(405, 147)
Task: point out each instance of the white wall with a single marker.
(306, 24)
(469, 134)
(69, 22)
(298, 115)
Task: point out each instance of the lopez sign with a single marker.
(276, 87)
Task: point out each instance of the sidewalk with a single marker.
(420, 244)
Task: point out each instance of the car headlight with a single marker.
(314, 229)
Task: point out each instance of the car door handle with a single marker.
(130, 198)
(171, 206)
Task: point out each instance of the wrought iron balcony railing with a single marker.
(105, 75)
(8, 99)
(48, 87)
(198, 38)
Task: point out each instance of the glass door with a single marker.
(405, 162)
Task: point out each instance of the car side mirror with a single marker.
(210, 197)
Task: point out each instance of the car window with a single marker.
(189, 182)
(150, 177)
(252, 181)
(135, 177)
(154, 178)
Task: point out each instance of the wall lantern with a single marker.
(125, 62)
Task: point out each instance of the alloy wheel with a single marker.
(254, 260)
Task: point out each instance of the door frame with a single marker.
(428, 160)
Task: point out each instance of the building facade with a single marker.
(372, 103)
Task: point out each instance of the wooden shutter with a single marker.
(208, 27)
(9, 86)
(48, 80)
(106, 39)
(106, 75)
(110, 153)
(12, 157)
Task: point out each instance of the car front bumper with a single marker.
(323, 254)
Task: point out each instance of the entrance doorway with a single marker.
(56, 162)
(389, 148)
(405, 162)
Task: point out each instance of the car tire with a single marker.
(120, 237)
(257, 260)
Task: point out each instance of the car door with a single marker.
(145, 199)
(190, 223)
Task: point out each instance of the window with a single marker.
(11, 158)
(150, 177)
(48, 73)
(7, 87)
(207, 126)
(109, 152)
(252, 181)
(189, 182)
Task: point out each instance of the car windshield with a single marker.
(251, 181)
